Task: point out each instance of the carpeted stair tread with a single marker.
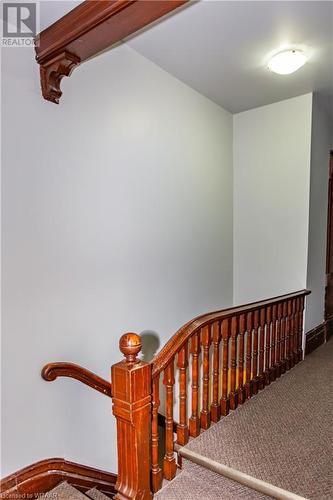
(284, 434)
(64, 491)
(95, 494)
(198, 483)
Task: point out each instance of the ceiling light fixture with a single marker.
(287, 61)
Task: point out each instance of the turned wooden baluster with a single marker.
(233, 364)
(288, 335)
(182, 428)
(242, 327)
(283, 337)
(261, 380)
(156, 471)
(131, 398)
(300, 328)
(273, 344)
(248, 359)
(225, 367)
(268, 345)
(169, 462)
(278, 341)
(296, 340)
(205, 413)
(194, 421)
(295, 329)
(292, 333)
(215, 408)
(255, 353)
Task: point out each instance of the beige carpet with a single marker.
(64, 491)
(283, 435)
(197, 483)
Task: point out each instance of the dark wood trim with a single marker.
(51, 371)
(315, 337)
(87, 30)
(179, 339)
(329, 327)
(44, 475)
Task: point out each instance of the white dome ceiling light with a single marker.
(287, 61)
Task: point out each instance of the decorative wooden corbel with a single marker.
(52, 71)
(87, 30)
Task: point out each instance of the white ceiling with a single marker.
(220, 47)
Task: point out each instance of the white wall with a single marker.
(117, 216)
(321, 144)
(271, 199)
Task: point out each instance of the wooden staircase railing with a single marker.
(222, 359)
(249, 346)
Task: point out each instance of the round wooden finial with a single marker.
(130, 345)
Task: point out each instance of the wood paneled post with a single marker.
(131, 397)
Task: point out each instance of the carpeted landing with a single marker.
(65, 491)
(282, 436)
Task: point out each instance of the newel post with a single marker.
(131, 397)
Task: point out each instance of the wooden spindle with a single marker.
(233, 364)
(283, 337)
(300, 329)
(182, 428)
(292, 333)
(278, 341)
(131, 398)
(194, 421)
(255, 380)
(288, 335)
(262, 320)
(268, 345)
(273, 344)
(242, 328)
(296, 341)
(248, 359)
(215, 408)
(225, 406)
(205, 412)
(156, 471)
(169, 462)
(295, 329)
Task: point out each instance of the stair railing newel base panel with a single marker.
(131, 398)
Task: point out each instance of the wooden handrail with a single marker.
(178, 340)
(51, 371)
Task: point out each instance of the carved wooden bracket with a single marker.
(52, 71)
(89, 29)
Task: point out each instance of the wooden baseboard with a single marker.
(315, 337)
(44, 475)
